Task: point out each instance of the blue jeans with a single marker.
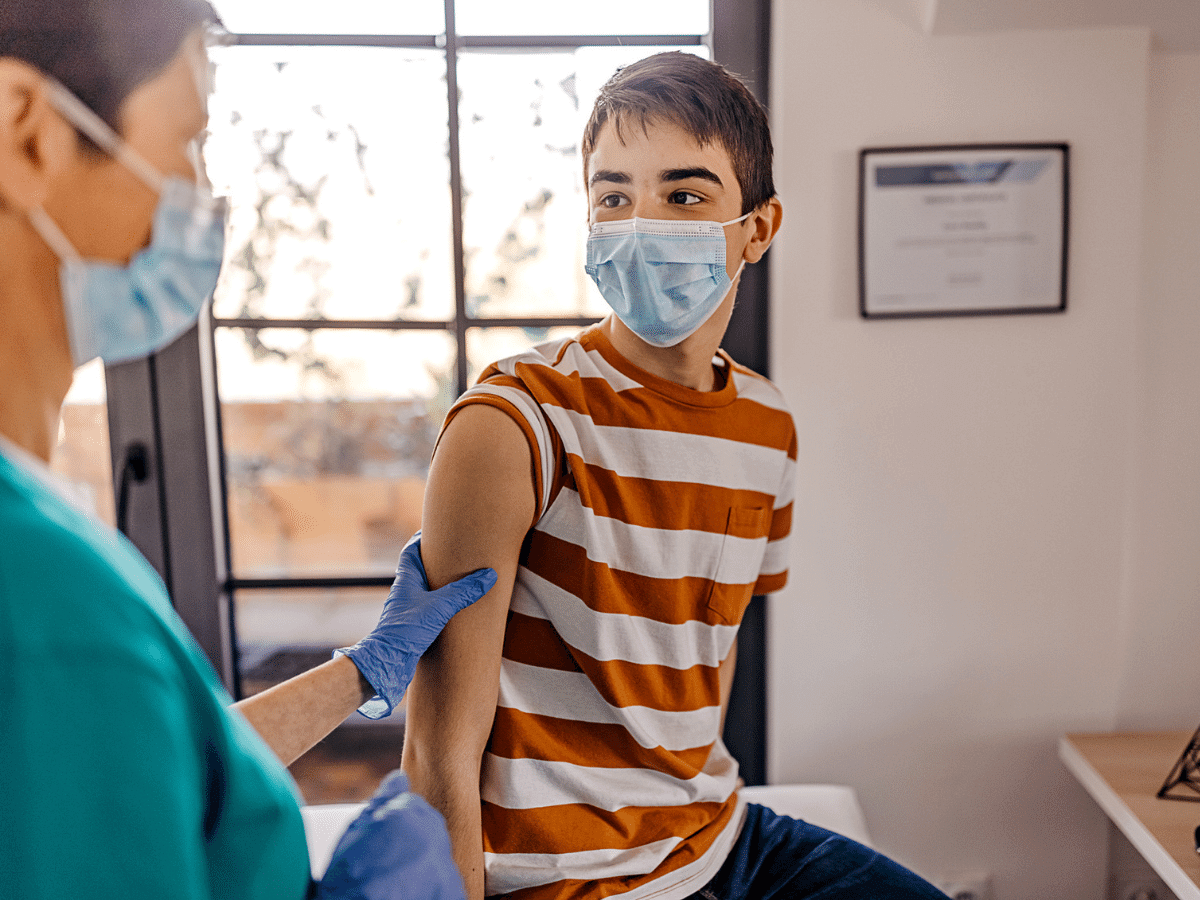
(779, 858)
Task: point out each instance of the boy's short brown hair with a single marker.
(705, 99)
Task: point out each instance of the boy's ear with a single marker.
(35, 142)
(766, 221)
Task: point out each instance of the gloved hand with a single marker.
(412, 617)
(396, 848)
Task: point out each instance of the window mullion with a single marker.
(456, 202)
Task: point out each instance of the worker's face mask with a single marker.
(123, 312)
(663, 278)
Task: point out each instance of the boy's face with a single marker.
(664, 173)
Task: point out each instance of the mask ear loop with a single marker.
(742, 218)
(78, 114)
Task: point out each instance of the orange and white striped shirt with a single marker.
(661, 511)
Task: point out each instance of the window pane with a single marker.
(345, 17)
(558, 17)
(336, 165)
(82, 457)
(525, 211)
(328, 436)
(282, 633)
(486, 345)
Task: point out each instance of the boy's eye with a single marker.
(684, 198)
(612, 201)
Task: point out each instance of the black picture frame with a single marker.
(965, 174)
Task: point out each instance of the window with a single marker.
(406, 207)
(385, 246)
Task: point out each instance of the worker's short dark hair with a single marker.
(99, 49)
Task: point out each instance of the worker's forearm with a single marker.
(293, 716)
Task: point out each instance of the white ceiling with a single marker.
(1175, 24)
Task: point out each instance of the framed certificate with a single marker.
(972, 229)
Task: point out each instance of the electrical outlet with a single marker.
(1143, 892)
(967, 886)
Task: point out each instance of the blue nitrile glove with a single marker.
(396, 848)
(412, 617)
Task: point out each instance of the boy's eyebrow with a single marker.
(610, 176)
(692, 172)
(701, 172)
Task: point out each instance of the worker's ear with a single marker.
(36, 143)
(766, 221)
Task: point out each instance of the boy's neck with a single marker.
(689, 363)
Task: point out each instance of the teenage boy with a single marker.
(632, 487)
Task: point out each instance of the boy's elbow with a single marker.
(445, 737)
(445, 774)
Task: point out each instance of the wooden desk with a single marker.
(1122, 773)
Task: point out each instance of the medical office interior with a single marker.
(997, 529)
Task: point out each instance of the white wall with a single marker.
(997, 522)
(1160, 672)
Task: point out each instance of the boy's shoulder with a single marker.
(576, 358)
(581, 362)
(752, 386)
(561, 353)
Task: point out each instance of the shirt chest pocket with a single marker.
(739, 562)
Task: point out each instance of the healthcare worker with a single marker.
(123, 773)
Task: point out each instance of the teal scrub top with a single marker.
(123, 774)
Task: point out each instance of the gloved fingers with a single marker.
(458, 595)
(442, 605)
(409, 565)
(412, 618)
(415, 539)
(411, 587)
(410, 569)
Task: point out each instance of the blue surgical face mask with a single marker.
(123, 312)
(663, 278)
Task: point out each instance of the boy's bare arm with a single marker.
(479, 504)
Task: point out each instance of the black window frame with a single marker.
(167, 404)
